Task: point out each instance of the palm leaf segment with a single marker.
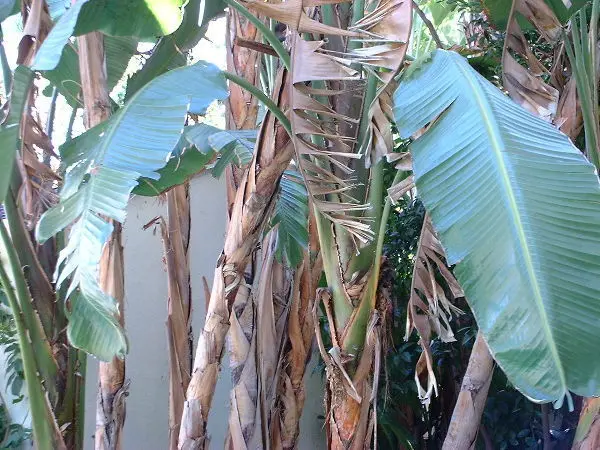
(516, 207)
(102, 168)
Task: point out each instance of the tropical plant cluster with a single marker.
(412, 194)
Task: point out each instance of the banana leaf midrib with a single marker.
(496, 144)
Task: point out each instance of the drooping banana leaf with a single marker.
(233, 146)
(103, 167)
(49, 53)
(65, 76)
(178, 170)
(196, 151)
(517, 209)
(119, 51)
(57, 8)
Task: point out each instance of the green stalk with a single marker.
(51, 113)
(582, 78)
(260, 95)
(264, 76)
(269, 76)
(42, 352)
(342, 307)
(50, 122)
(43, 302)
(73, 401)
(45, 430)
(80, 405)
(271, 59)
(358, 11)
(355, 337)
(374, 179)
(593, 39)
(265, 31)
(585, 47)
(328, 15)
(71, 123)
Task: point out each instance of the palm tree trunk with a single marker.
(464, 426)
(176, 238)
(254, 200)
(110, 412)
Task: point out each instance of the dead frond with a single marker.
(429, 310)
(525, 85)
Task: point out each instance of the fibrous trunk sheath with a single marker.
(250, 212)
(110, 412)
(176, 238)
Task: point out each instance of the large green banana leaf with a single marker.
(517, 209)
(201, 147)
(102, 167)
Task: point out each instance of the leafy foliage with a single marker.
(170, 51)
(102, 168)
(14, 434)
(511, 161)
(291, 213)
(178, 170)
(233, 147)
(65, 76)
(201, 147)
(10, 344)
(145, 19)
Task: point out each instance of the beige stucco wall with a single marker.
(146, 424)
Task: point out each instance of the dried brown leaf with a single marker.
(569, 118)
(525, 85)
(429, 310)
(397, 191)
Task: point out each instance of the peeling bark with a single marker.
(285, 420)
(257, 336)
(176, 239)
(351, 417)
(462, 432)
(253, 203)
